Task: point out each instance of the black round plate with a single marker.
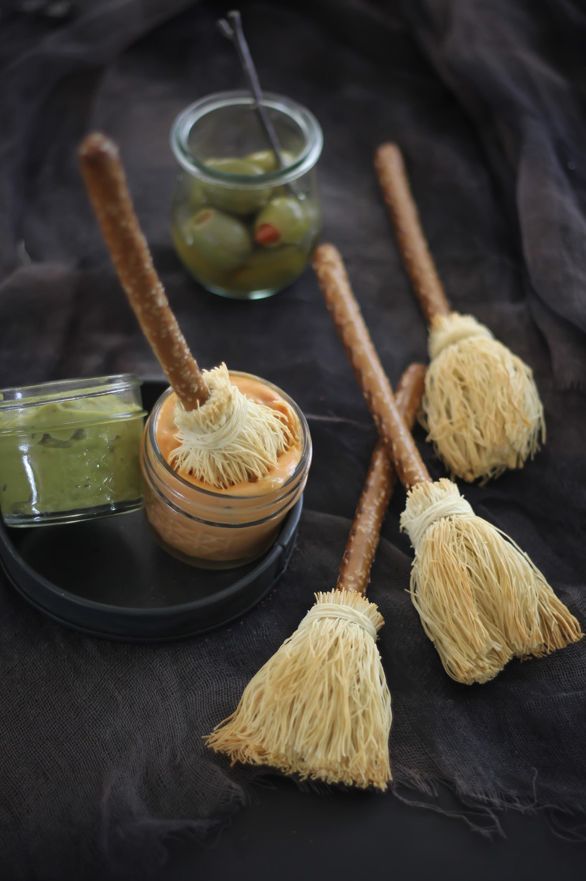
(110, 578)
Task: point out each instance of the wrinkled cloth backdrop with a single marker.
(101, 754)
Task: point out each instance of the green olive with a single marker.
(230, 197)
(267, 160)
(201, 269)
(269, 270)
(284, 221)
(242, 167)
(196, 196)
(222, 241)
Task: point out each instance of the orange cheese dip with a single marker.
(256, 391)
(221, 528)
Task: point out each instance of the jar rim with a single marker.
(304, 118)
(300, 468)
(56, 391)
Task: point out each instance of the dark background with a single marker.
(102, 771)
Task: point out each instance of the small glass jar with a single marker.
(69, 450)
(218, 529)
(242, 226)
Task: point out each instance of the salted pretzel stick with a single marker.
(376, 388)
(108, 190)
(417, 258)
(354, 572)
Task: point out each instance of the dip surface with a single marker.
(68, 455)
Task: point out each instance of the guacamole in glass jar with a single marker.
(70, 450)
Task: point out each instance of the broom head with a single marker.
(320, 708)
(480, 598)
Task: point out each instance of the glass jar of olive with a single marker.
(243, 224)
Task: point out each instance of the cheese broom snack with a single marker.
(224, 437)
(320, 708)
(481, 407)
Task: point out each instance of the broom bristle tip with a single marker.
(230, 438)
(480, 598)
(320, 708)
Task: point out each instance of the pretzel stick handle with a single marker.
(413, 247)
(107, 188)
(376, 388)
(354, 573)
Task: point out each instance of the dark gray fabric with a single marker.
(526, 100)
(102, 760)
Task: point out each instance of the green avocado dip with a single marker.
(72, 453)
